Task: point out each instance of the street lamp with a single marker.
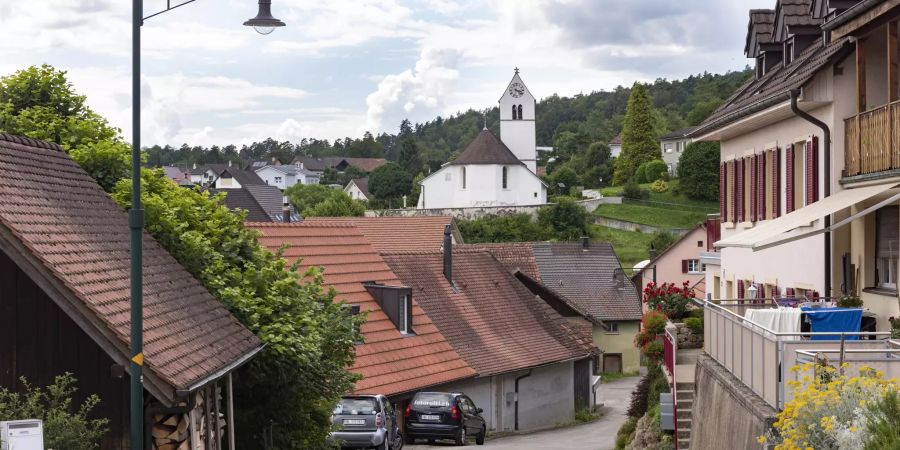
(264, 23)
(752, 291)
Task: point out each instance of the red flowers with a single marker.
(668, 298)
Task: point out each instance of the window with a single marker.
(748, 192)
(613, 327)
(404, 315)
(788, 51)
(692, 266)
(515, 116)
(462, 176)
(886, 237)
(504, 175)
(277, 180)
(520, 112)
(667, 148)
(798, 166)
(699, 243)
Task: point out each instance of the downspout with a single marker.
(517, 398)
(826, 137)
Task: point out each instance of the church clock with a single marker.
(516, 89)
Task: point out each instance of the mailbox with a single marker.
(666, 412)
(22, 435)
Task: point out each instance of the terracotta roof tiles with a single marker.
(395, 233)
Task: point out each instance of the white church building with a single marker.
(492, 171)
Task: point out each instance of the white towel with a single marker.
(784, 320)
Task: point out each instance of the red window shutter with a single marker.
(732, 210)
(761, 186)
(684, 266)
(789, 179)
(739, 191)
(776, 175)
(723, 211)
(814, 170)
(754, 183)
(775, 291)
(740, 289)
(789, 292)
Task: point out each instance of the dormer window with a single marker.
(788, 51)
(396, 302)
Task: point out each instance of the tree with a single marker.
(318, 200)
(410, 157)
(511, 228)
(416, 188)
(567, 219)
(293, 384)
(639, 140)
(39, 102)
(698, 171)
(563, 176)
(390, 181)
(661, 240)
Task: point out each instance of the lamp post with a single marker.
(264, 23)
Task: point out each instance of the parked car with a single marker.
(366, 421)
(441, 415)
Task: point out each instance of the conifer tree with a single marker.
(639, 140)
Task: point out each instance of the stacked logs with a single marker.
(170, 432)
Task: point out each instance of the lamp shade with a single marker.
(264, 22)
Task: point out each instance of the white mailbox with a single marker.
(22, 435)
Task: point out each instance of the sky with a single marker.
(343, 67)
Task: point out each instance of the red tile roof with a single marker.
(491, 319)
(58, 217)
(394, 233)
(513, 256)
(389, 362)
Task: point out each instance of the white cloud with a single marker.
(418, 93)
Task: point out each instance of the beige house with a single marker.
(810, 159)
(679, 263)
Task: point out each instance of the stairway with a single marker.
(685, 399)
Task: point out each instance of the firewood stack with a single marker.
(202, 413)
(170, 432)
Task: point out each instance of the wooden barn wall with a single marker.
(38, 341)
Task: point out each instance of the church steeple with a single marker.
(517, 126)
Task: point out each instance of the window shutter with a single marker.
(760, 186)
(732, 210)
(754, 183)
(740, 289)
(723, 191)
(789, 292)
(776, 175)
(739, 190)
(887, 222)
(789, 179)
(775, 291)
(814, 150)
(684, 266)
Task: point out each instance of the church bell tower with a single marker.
(517, 129)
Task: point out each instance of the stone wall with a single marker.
(478, 212)
(725, 413)
(632, 226)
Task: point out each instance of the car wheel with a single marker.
(462, 438)
(479, 439)
(398, 442)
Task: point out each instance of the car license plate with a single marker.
(354, 421)
(430, 417)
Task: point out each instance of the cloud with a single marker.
(417, 93)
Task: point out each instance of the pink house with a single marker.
(679, 263)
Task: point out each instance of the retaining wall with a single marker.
(633, 226)
(478, 212)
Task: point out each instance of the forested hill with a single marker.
(592, 117)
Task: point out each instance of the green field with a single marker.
(630, 246)
(670, 217)
(667, 199)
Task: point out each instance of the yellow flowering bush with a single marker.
(828, 409)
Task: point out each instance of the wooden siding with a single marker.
(38, 341)
(871, 141)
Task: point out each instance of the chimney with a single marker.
(195, 166)
(229, 163)
(285, 210)
(585, 242)
(448, 254)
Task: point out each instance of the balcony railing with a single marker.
(713, 231)
(872, 141)
(762, 358)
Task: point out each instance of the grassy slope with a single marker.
(630, 246)
(651, 215)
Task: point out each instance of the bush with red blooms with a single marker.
(648, 340)
(669, 299)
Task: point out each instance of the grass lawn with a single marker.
(668, 197)
(651, 215)
(630, 246)
(606, 377)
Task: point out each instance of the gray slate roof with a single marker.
(363, 185)
(244, 177)
(263, 203)
(311, 163)
(486, 149)
(677, 134)
(585, 276)
(759, 30)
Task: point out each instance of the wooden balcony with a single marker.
(872, 141)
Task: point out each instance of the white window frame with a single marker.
(404, 314)
(694, 266)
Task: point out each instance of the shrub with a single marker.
(883, 421)
(634, 192)
(654, 322)
(66, 426)
(659, 186)
(695, 324)
(661, 240)
(850, 301)
(567, 219)
(511, 228)
(698, 170)
(640, 175)
(585, 415)
(895, 328)
(625, 434)
(655, 170)
(669, 299)
(638, 406)
(654, 350)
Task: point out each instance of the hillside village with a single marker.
(699, 263)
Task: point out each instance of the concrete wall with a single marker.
(717, 393)
(546, 397)
(483, 187)
(485, 211)
(621, 342)
(631, 226)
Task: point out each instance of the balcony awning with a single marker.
(774, 232)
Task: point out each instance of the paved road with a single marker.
(599, 435)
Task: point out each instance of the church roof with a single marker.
(486, 149)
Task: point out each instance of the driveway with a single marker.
(599, 435)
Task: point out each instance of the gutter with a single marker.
(826, 132)
(516, 428)
(850, 14)
(181, 393)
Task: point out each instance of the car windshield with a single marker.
(430, 399)
(361, 406)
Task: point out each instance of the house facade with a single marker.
(672, 146)
(680, 262)
(284, 176)
(615, 146)
(492, 171)
(809, 159)
(358, 189)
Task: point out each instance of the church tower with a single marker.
(517, 129)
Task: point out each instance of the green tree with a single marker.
(661, 240)
(338, 204)
(567, 219)
(639, 138)
(565, 176)
(293, 384)
(410, 157)
(390, 181)
(39, 102)
(416, 189)
(698, 171)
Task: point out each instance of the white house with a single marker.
(358, 189)
(492, 171)
(615, 146)
(285, 176)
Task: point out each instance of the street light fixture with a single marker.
(752, 291)
(264, 22)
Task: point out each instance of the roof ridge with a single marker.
(24, 140)
(301, 224)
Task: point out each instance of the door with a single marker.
(471, 417)
(582, 383)
(612, 362)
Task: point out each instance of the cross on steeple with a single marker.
(517, 70)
